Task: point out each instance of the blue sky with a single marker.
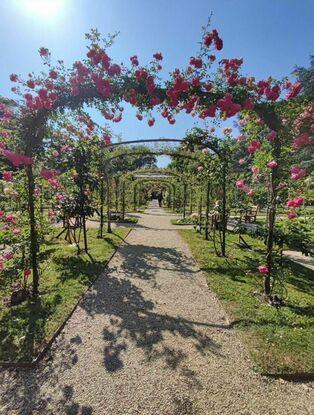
(271, 35)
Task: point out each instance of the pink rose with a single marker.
(263, 269)
(7, 176)
(297, 173)
(292, 215)
(271, 136)
(240, 184)
(272, 164)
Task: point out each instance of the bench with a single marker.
(249, 214)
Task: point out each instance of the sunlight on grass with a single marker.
(64, 278)
(279, 340)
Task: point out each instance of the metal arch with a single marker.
(148, 140)
(167, 172)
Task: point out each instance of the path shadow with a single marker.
(27, 394)
(132, 319)
(142, 261)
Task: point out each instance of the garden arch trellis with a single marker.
(32, 133)
(172, 153)
(99, 82)
(164, 179)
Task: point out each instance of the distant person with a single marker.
(160, 198)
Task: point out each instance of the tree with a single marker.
(306, 77)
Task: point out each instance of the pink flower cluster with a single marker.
(49, 174)
(17, 159)
(7, 176)
(272, 164)
(51, 177)
(196, 62)
(213, 37)
(254, 146)
(271, 93)
(263, 269)
(294, 90)
(296, 202)
(44, 99)
(271, 136)
(241, 185)
(6, 114)
(302, 140)
(9, 222)
(227, 106)
(305, 120)
(107, 139)
(230, 68)
(297, 173)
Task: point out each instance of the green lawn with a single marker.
(25, 328)
(279, 340)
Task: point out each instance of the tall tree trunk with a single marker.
(82, 191)
(85, 234)
(134, 197)
(117, 180)
(123, 199)
(33, 230)
(271, 218)
(139, 196)
(191, 201)
(184, 200)
(200, 210)
(270, 235)
(109, 230)
(268, 114)
(223, 208)
(207, 210)
(102, 202)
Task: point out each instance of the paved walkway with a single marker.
(149, 339)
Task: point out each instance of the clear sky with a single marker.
(271, 35)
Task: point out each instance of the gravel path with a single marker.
(149, 339)
(299, 258)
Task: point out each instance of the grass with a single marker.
(279, 340)
(25, 328)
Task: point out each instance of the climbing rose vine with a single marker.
(98, 81)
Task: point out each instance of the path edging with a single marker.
(291, 377)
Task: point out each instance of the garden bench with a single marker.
(70, 223)
(249, 214)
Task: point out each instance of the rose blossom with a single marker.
(297, 173)
(271, 136)
(263, 269)
(7, 176)
(292, 215)
(272, 164)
